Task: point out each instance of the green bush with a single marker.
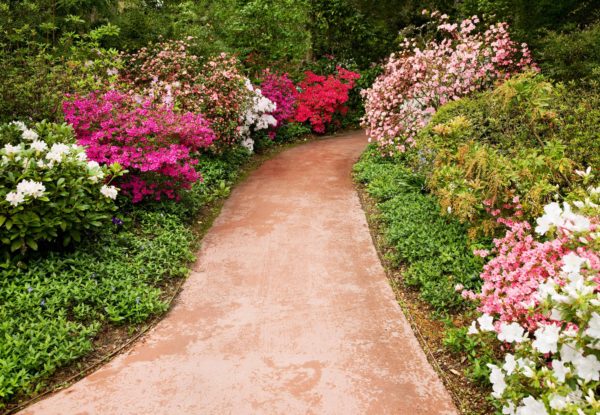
(48, 189)
(37, 77)
(524, 139)
(433, 247)
(572, 56)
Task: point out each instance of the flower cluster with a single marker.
(155, 144)
(223, 97)
(522, 263)
(167, 74)
(49, 188)
(322, 97)
(416, 81)
(257, 117)
(281, 90)
(551, 323)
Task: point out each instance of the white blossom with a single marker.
(31, 188)
(19, 124)
(109, 191)
(552, 217)
(587, 367)
(558, 402)
(486, 322)
(57, 151)
(10, 149)
(509, 363)
(560, 370)
(30, 135)
(39, 146)
(15, 198)
(546, 338)
(593, 329)
(512, 332)
(531, 406)
(473, 328)
(497, 380)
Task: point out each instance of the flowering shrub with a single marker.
(542, 298)
(257, 117)
(165, 72)
(168, 74)
(48, 188)
(322, 97)
(281, 90)
(152, 142)
(223, 97)
(416, 81)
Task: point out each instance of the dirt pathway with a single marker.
(288, 311)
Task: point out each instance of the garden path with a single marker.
(287, 311)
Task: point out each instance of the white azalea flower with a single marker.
(486, 322)
(508, 409)
(569, 352)
(10, 149)
(39, 146)
(572, 263)
(593, 329)
(509, 363)
(19, 124)
(57, 151)
(30, 135)
(546, 339)
(473, 328)
(248, 143)
(558, 402)
(531, 406)
(512, 332)
(15, 198)
(497, 380)
(552, 217)
(587, 368)
(560, 370)
(110, 192)
(31, 188)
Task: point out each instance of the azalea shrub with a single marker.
(541, 299)
(156, 145)
(257, 117)
(169, 74)
(49, 190)
(224, 97)
(165, 72)
(321, 98)
(421, 77)
(280, 89)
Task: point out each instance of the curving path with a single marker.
(288, 311)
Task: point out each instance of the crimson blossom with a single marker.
(322, 97)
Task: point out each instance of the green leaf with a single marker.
(32, 244)
(16, 245)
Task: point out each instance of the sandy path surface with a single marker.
(287, 311)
